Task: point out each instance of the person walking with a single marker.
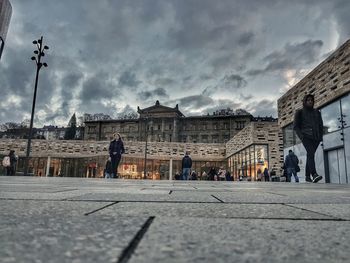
(291, 165)
(308, 125)
(11, 162)
(186, 166)
(266, 175)
(116, 149)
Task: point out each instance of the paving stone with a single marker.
(145, 197)
(244, 240)
(43, 238)
(211, 210)
(335, 210)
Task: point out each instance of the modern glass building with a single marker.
(5, 16)
(330, 84)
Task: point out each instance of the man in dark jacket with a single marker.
(116, 149)
(186, 166)
(291, 162)
(308, 125)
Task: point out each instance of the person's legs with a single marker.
(311, 147)
(289, 175)
(185, 173)
(114, 165)
(295, 176)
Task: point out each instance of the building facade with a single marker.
(329, 82)
(159, 123)
(256, 147)
(5, 17)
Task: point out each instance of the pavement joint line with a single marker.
(99, 209)
(276, 194)
(67, 190)
(129, 250)
(304, 209)
(218, 199)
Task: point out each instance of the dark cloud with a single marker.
(152, 95)
(235, 81)
(128, 79)
(291, 56)
(263, 108)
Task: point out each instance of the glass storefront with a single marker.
(248, 161)
(93, 167)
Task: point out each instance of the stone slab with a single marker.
(44, 238)
(145, 197)
(335, 210)
(244, 240)
(212, 210)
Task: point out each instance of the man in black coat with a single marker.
(308, 125)
(116, 149)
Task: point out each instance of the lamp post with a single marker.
(39, 52)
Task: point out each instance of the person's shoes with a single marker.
(308, 179)
(316, 178)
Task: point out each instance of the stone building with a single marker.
(5, 16)
(160, 123)
(329, 82)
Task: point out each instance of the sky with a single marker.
(111, 56)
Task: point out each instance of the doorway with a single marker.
(336, 166)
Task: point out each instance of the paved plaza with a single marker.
(99, 220)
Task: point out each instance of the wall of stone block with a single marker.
(155, 150)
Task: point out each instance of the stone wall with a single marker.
(76, 149)
(328, 81)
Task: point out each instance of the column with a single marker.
(48, 166)
(171, 170)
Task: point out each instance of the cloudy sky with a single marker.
(110, 56)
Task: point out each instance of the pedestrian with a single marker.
(116, 149)
(212, 174)
(222, 174)
(308, 125)
(266, 175)
(194, 175)
(259, 175)
(11, 168)
(186, 166)
(108, 168)
(292, 166)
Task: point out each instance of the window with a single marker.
(331, 117)
(240, 125)
(345, 108)
(288, 136)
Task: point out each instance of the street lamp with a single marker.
(39, 53)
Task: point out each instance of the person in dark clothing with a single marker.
(212, 173)
(116, 149)
(186, 166)
(291, 163)
(108, 168)
(11, 170)
(266, 175)
(308, 125)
